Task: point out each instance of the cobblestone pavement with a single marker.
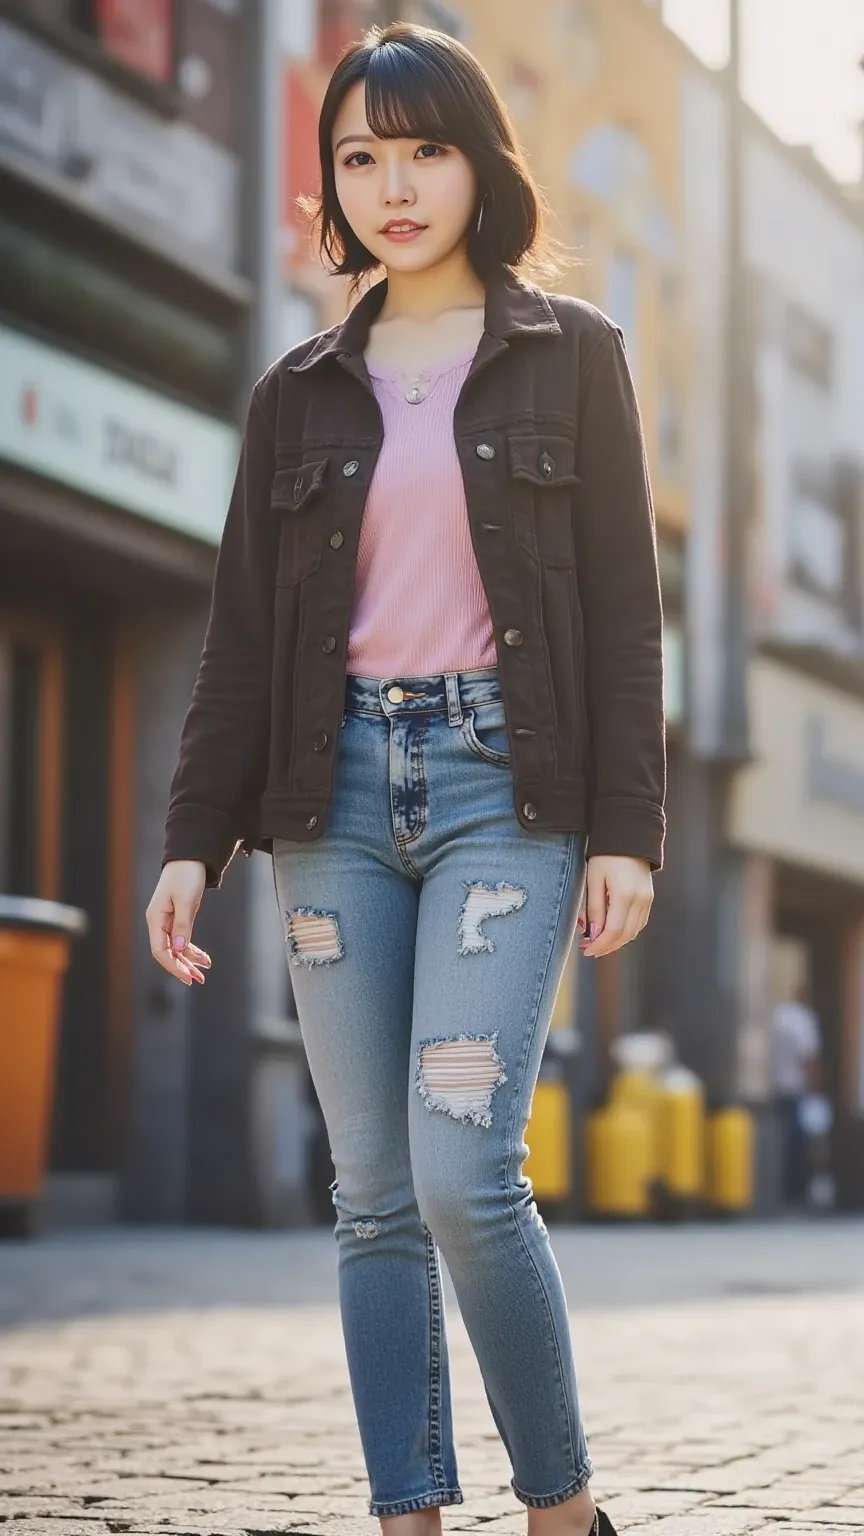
(720, 1414)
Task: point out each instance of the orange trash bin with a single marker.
(35, 938)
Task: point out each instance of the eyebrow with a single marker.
(355, 138)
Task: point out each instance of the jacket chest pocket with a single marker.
(542, 477)
(296, 498)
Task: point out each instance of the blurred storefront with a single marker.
(798, 815)
(775, 846)
(124, 361)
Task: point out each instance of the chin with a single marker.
(408, 258)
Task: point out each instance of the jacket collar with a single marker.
(513, 308)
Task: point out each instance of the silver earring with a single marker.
(480, 215)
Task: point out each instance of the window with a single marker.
(670, 431)
(824, 536)
(809, 346)
(578, 35)
(30, 747)
(622, 302)
(138, 33)
(523, 92)
(817, 544)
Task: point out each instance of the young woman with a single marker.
(432, 687)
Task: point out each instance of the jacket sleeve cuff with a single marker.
(635, 829)
(203, 833)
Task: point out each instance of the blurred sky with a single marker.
(800, 67)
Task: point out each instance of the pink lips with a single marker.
(402, 230)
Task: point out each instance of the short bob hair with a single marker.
(422, 84)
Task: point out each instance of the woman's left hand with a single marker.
(619, 891)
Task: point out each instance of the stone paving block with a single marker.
(733, 1416)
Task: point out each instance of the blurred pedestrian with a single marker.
(432, 687)
(796, 1046)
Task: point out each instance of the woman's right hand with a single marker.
(170, 915)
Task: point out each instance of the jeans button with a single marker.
(395, 695)
(512, 637)
(529, 811)
(328, 643)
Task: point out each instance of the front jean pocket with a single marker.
(484, 732)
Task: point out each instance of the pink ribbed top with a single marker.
(420, 606)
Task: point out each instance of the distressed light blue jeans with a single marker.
(427, 932)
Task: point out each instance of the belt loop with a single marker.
(454, 702)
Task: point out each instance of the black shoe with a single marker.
(603, 1525)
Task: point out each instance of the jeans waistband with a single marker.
(449, 693)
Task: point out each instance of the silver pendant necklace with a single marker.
(417, 390)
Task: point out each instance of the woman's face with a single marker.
(408, 200)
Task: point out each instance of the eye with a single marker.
(359, 157)
(431, 151)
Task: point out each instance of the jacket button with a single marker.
(485, 451)
(547, 464)
(350, 468)
(512, 637)
(529, 811)
(312, 822)
(321, 741)
(337, 540)
(328, 643)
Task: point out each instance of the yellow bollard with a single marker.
(618, 1159)
(682, 1140)
(548, 1134)
(640, 1089)
(730, 1146)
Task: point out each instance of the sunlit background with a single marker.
(800, 67)
(153, 262)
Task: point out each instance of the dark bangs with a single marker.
(411, 94)
(422, 84)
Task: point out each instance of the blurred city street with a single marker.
(182, 1381)
(171, 1350)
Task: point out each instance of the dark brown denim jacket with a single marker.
(550, 443)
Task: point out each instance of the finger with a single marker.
(611, 937)
(595, 902)
(159, 926)
(631, 926)
(175, 965)
(182, 919)
(199, 956)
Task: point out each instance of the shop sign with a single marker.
(163, 180)
(140, 33)
(79, 424)
(803, 798)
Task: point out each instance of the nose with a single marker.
(397, 187)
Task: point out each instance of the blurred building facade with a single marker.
(692, 224)
(150, 171)
(127, 173)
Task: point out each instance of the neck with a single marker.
(451, 284)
